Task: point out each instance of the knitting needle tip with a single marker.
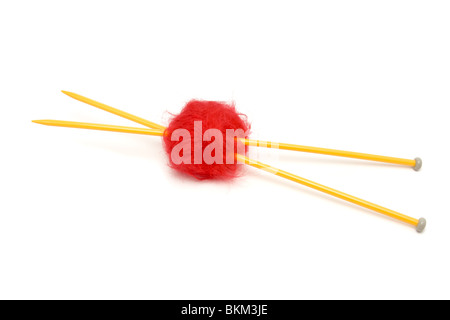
(78, 97)
(39, 121)
(75, 96)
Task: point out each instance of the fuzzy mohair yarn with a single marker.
(195, 119)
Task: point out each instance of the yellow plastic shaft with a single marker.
(97, 126)
(331, 152)
(246, 160)
(115, 111)
(330, 191)
(250, 142)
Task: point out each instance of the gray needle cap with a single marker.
(418, 164)
(421, 225)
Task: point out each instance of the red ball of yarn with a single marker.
(195, 119)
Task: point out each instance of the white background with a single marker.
(100, 215)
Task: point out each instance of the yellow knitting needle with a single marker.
(415, 163)
(115, 111)
(418, 223)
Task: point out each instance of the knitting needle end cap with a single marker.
(418, 164)
(421, 225)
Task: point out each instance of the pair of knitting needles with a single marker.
(158, 130)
